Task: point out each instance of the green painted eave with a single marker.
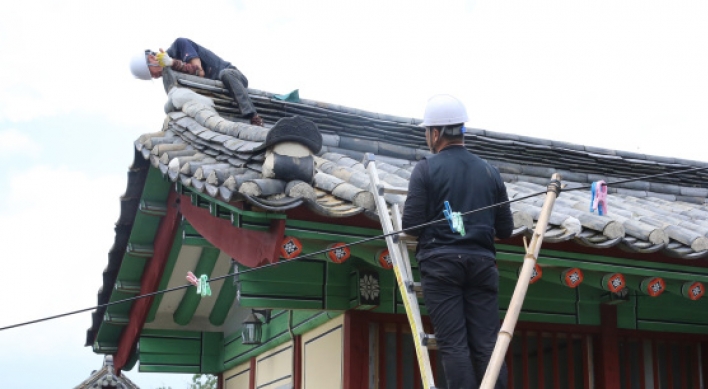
(142, 235)
(600, 263)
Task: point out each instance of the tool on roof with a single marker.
(598, 200)
(506, 333)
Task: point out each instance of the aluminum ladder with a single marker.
(398, 252)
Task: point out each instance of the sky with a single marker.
(625, 75)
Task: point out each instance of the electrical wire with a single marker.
(315, 253)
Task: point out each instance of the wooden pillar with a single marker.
(356, 350)
(297, 362)
(704, 361)
(252, 374)
(608, 363)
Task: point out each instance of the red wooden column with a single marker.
(608, 362)
(704, 360)
(297, 362)
(356, 350)
(252, 374)
(220, 381)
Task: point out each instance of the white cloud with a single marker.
(14, 142)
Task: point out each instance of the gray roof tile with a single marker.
(666, 213)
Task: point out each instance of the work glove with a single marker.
(163, 59)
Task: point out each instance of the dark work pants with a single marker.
(460, 293)
(237, 83)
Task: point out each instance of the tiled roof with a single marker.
(106, 378)
(209, 149)
(205, 145)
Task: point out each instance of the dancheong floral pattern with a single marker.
(369, 287)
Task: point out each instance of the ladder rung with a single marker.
(392, 190)
(430, 342)
(417, 288)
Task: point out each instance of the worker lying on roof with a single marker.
(188, 57)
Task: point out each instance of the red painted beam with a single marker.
(399, 356)
(525, 359)
(149, 282)
(655, 362)
(697, 349)
(571, 359)
(556, 362)
(625, 355)
(609, 363)
(539, 360)
(297, 362)
(684, 368)
(642, 379)
(252, 374)
(586, 361)
(382, 356)
(220, 381)
(247, 247)
(356, 351)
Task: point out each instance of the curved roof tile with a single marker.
(209, 149)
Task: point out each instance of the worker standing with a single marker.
(185, 56)
(458, 268)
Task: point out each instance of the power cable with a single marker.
(377, 237)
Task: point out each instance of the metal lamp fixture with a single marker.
(253, 327)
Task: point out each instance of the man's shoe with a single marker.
(257, 120)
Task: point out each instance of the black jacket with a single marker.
(467, 182)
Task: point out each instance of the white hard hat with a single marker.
(444, 110)
(139, 67)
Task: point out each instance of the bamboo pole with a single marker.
(506, 332)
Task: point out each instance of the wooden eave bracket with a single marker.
(248, 247)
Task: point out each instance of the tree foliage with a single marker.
(203, 381)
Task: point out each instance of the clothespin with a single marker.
(203, 288)
(454, 219)
(192, 278)
(202, 283)
(599, 197)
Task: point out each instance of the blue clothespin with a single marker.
(203, 288)
(454, 219)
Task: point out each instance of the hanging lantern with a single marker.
(653, 286)
(253, 327)
(290, 247)
(252, 330)
(572, 277)
(338, 252)
(693, 290)
(613, 282)
(384, 259)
